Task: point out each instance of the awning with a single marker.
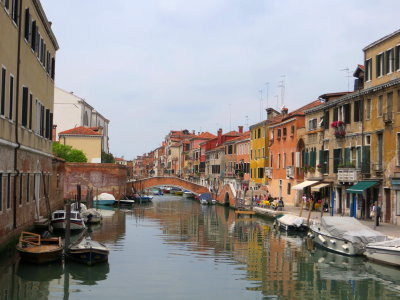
(361, 187)
(304, 184)
(317, 187)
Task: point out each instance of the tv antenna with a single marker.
(261, 100)
(282, 86)
(347, 70)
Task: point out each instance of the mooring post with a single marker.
(67, 226)
(78, 187)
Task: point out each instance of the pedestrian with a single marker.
(376, 212)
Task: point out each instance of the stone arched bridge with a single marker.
(226, 194)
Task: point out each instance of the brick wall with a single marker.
(103, 178)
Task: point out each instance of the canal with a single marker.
(175, 248)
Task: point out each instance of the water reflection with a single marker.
(175, 248)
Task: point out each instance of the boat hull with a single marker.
(40, 258)
(103, 202)
(287, 227)
(334, 244)
(88, 256)
(61, 224)
(383, 255)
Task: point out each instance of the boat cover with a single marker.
(350, 229)
(291, 220)
(104, 196)
(389, 243)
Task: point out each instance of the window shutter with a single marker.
(27, 24)
(24, 120)
(336, 159)
(326, 119)
(347, 156)
(335, 113)
(33, 37)
(365, 167)
(297, 160)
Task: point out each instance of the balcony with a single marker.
(268, 172)
(388, 118)
(290, 172)
(339, 129)
(348, 174)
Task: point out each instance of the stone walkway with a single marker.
(390, 230)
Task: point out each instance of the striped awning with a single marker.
(304, 184)
(317, 187)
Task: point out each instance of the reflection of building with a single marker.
(72, 111)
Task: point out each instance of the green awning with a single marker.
(361, 187)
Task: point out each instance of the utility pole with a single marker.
(266, 85)
(261, 99)
(347, 70)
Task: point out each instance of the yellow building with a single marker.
(88, 140)
(259, 141)
(27, 68)
(381, 96)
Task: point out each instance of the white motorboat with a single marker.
(344, 235)
(104, 199)
(387, 252)
(58, 220)
(289, 222)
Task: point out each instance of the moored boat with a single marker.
(35, 249)
(188, 194)
(289, 222)
(104, 199)
(387, 252)
(206, 198)
(88, 251)
(344, 235)
(58, 220)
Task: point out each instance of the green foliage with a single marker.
(107, 158)
(68, 153)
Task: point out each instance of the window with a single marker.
(368, 110)
(27, 187)
(3, 91)
(1, 192)
(389, 61)
(7, 4)
(368, 69)
(20, 188)
(292, 158)
(14, 12)
(8, 201)
(389, 104)
(271, 161)
(380, 106)
(260, 172)
(279, 160)
(379, 65)
(397, 57)
(337, 159)
(357, 111)
(259, 133)
(230, 149)
(284, 160)
(30, 111)
(263, 152)
(292, 130)
(367, 140)
(312, 124)
(326, 119)
(24, 120)
(11, 91)
(289, 187)
(33, 35)
(398, 100)
(398, 150)
(27, 30)
(397, 203)
(346, 113)
(284, 131)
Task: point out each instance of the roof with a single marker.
(382, 39)
(81, 131)
(243, 137)
(206, 135)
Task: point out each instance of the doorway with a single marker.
(388, 206)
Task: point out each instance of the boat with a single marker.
(206, 198)
(88, 252)
(166, 190)
(179, 193)
(104, 199)
(174, 190)
(125, 202)
(58, 220)
(344, 235)
(156, 192)
(143, 198)
(188, 194)
(386, 252)
(35, 249)
(290, 222)
(90, 216)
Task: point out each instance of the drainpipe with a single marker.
(17, 117)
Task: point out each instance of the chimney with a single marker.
(240, 129)
(284, 111)
(54, 133)
(219, 141)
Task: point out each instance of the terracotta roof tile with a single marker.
(206, 135)
(81, 131)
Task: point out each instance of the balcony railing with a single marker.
(348, 174)
(388, 117)
(268, 172)
(290, 172)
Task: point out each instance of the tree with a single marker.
(68, 153)
(107, 158)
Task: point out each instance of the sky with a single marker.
(159, 65)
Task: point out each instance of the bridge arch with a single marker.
(149, 182)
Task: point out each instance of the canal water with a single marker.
(174, 248)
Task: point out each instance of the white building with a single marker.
(71, 111)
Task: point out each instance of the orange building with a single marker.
(285, 147)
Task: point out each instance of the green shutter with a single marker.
(347, 156)
(336, 159)
(365, 167)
